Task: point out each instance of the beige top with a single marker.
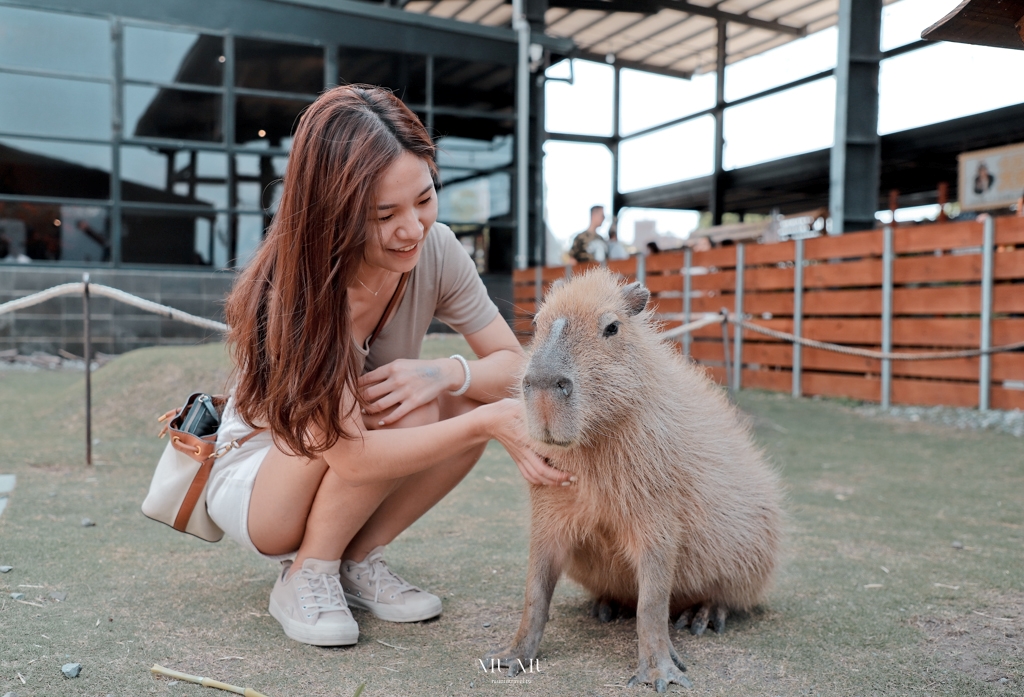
(444, 284)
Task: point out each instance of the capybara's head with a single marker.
(586, 362)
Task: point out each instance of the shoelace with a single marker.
(326, 591)
(379, 573)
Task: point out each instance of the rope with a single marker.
(837, 348)
(114, 294)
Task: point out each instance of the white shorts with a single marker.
(230, 487)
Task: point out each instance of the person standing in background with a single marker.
(588, 246)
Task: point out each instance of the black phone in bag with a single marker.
(202, 418)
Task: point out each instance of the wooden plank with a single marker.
(715, 372)
(865, 272)
(708, 351)
(773, 303)
(775, 380)
(719, 258)
(837, 385)
(664, 282)
(1002, 398)
(925, 238)
(1008, 265)
(1008, 366)
(781, 324)
(933, 269)
(943, 332)
(830, 361)
(722, 280)
(1007, 297)
(553, 273)
(934, 392)
(524, 275)
(757, 353)
(850, 245)
(1010, 230)
(962, 299)
(867, 301)
(665, 261)
(841, 331)
(1007, 331)
(772, 253)
(580, 269)
(768, 279)
(525, 308)
(624, 267)
(658, 304)
(712, 302)
(957, 368)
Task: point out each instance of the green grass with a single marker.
(863, 494)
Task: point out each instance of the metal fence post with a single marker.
(887, 263)
(687, 295)
(985, 364)
(798, 316)
(737, 342)
(538, 286)
(87, 349)
(641, 269)
(725, 350)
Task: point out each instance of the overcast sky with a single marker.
(926, 86)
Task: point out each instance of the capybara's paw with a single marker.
(698, 618)
(508, 657)
(659, 675)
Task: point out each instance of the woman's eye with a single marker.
(426, 200)
(385, 218)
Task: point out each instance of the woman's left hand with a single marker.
(409, 384)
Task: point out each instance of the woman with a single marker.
(326, 325)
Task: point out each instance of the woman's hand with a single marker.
(408, 384)
(507, 428)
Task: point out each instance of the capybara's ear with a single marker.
(636, 296)
(555, 285)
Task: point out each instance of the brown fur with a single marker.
(674, 506)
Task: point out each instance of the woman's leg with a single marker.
(300, 504)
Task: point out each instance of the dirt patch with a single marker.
(985, 643)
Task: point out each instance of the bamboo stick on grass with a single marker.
(205, 682)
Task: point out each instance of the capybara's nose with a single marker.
(544, 380)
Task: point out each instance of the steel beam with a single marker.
(716, 196)
(857, 149)
(655, 6)
(798, 316)
(985, 364)
(737, 337)
(888, 255)
(522, 29)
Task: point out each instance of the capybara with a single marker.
(674, 509)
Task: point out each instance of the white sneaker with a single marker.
(372, 586)
(310, 605)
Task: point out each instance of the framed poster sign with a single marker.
(992, 178)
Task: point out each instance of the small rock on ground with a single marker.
(59, 596)
(10, 694)
(3, 570)
(17, 596)
(1011, 422)
(71, 670)
(86, 523)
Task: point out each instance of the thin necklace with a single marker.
(375, 292)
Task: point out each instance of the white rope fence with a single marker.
(723, 317)
(114, 294)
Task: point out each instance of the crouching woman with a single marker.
(361, 438)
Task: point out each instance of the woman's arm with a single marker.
(412, 383)
(389, 454)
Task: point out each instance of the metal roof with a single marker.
(674, 37)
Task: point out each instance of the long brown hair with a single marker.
(291, 331)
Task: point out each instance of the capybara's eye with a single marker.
(612, 329)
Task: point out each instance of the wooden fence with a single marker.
(933, 287)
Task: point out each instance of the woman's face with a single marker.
(406, 208)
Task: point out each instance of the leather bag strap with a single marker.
(396, 297)
(188, 505)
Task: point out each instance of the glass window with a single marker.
(52, 41)
(267, 121)
(195, 177)
(168, 237)
(799, 120)
(53, 232)
(173, 56)
(584, 106)
(49, 106)
(676, 153)
(648, 99)
(797, 59)
(250, 234)
(160, 112)
(275, 65)
(49, 168)
(566, 167)
(474, 85)
(475, 200)
(404, 73)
